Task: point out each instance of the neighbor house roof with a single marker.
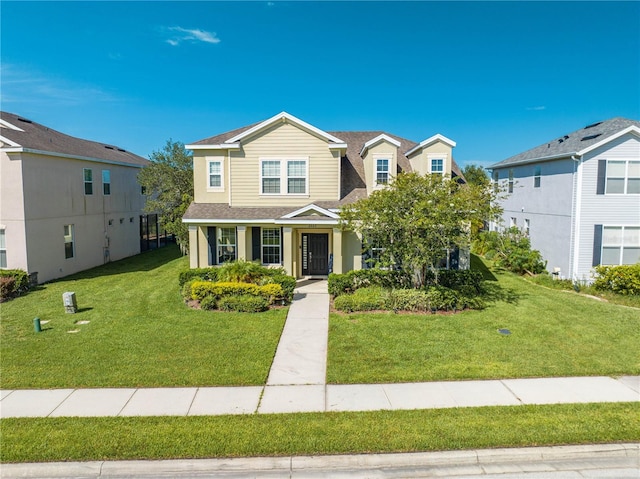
(577, 143)
(23, 135)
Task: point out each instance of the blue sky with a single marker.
(496, 77)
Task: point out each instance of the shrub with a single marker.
(441, 298)
(7, 287)
(462, 280)
(13, 283)
(202, 289)
(407, 300)
(511, 250)
(244, 303)
(623, 279)
(209, 303)
(272, 292)
(242, 271)
(287, 283)
(364, 299)
(187, 292)
(338, 284)
(353, 280)
(205, 274)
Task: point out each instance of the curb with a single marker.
(424, 464)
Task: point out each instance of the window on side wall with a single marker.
(3, 249)
(214, 175)
(382, 171)
(226, 245)
(106, 182)
(513, 223)
(536, 176)
(271, 245)
(620, 245)
(623, 177)
(496, 177)
(88, 181)
(510, 184)
(527, 226)
(437, 166)
(69, 241)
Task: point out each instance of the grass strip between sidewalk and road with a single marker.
(87, 439)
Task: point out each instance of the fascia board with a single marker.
(70, 157)
(11, 126)
(338, 146)
(431, 140)
(280, 116)
(224, 146)
(629, 129)
(260, 221)
(311, 207)
(6, 140)
(534, 160)
(378, 139)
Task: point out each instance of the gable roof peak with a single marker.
(431, 140)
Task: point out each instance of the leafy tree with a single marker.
(418, 218)
(476, 175)
(168, 184)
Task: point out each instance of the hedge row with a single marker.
(435, 298)
(619, 279)
(13, 282)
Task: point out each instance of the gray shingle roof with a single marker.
(222, 211)
(572, 143)
(39, 137)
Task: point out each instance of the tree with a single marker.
(417, 219)
(168, 184)
(476, 175)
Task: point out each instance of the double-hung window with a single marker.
(510, 184)
(214, 175)
(620, 245)
(69, 247)
(496, 177)
(3, 249)
(88, 181)
(623, 177)
(226, 245)
(106, 182)
(437, 166)
(283, 177)
(536, 176)
(271, 245)
(382, 171)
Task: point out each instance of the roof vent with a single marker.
(123, 151)
(592, 125)
(109, 147)
(24, 120)
(591, 137)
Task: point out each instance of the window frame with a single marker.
(510, 181)
(106, 185)
(621, 246)
(209, 174)
(3, 248)
(434, 171)
(495, 176)
(537, 173)
(378, 171)
(625, 179)
(219, 245)
(263, 245)
(88, 183)
(283, 176)
(69, 238)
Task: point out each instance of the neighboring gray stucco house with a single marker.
(66, 204)
(578, 197)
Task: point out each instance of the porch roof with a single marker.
(222, 212)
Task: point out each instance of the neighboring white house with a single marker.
(66, 204)
(578, 197)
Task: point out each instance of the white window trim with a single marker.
(262, 245)
(4, 247)
(537, 175)
(621, 246)
(626, 176)
(284, 176)
(381, 156)
(104, 183)
(219, 245)
(208, 175)
(73, 241)
(444, 162)
(84, 181)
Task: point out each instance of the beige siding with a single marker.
(420, 160)
(351, 251)
(203, 194)
(380, 150)
(284, 140)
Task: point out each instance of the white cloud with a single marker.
(191, 35)
(536, 108)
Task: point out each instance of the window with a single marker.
(623, 177)
(69, 241)
(382, 171)
(510, 181)
(620, 245)
(271, 245)
(527, 226)
(536, 176)
(283, 177)
(371, 252)
(437, 166)
(513, 223)
(3, 249)
(88, 181)
(106, 182)
(215, 175)
(226, 243)
(496, 177)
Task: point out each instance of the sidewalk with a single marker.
(619, 461)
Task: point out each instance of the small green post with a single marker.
(36, 325)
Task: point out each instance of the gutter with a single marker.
(71, 157)
(534, 160)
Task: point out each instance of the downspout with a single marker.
(576, 212)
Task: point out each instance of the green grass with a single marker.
(84, 439)
(140, 333)
(553, 333)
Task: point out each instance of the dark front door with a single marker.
(315, 254)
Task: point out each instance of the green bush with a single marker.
(443, 299)
(287, 283)
(7, 287)
(244, 303)
(511, 250)
(407, 300)
(209, 303)
(272, 292)
(364, 299)
(202, 289)
(353, 280)
(13, 282)
(338, 284)
(187, 292)
(242, 271)
(623, 279)
(205, 274)
(461, 279)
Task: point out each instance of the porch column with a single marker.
(193, 246)
(241, 245)
(337, 250)
(287, 250)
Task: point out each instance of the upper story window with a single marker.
(623, 177)
(3, 249)
(496, 177)
(214, 175)
(536, 176)
(437, 166)
(226, 245)
(510, 184)
(69, 240)
(620, 245)
(382, 171)
(88, 181)
(283, 177)
(106, 182)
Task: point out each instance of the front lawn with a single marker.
(553, 333)
(140, 333)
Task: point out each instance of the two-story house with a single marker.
(272, 191)
(66, 204)
(578, 197)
